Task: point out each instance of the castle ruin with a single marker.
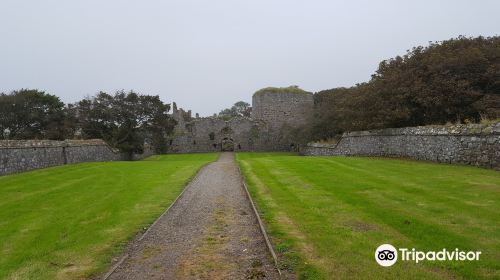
(276, 114)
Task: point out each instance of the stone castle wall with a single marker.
(283, 112)
(474, 144)
(274, 116)
(208, 135)
(23, 155)
(283, 109)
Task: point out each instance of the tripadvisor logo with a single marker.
(387, 255)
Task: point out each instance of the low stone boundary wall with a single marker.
(23, 155)
(473, 144)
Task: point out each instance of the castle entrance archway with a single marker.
(227, 145)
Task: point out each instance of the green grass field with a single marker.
(67, 222)
(327, 215)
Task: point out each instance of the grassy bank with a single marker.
(66, 222)
(327, 215)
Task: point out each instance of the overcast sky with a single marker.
(206, 55)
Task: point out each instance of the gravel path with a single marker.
(210, 233)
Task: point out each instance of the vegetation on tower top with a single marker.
(290, 89)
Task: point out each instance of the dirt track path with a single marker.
(210, 233)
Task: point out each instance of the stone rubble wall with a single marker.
(207, 134)
(274, 119)
(283, 113)
(148, 151)
(473, 144)
(23, 155)
(286, 108)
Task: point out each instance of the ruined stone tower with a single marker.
(278, 117)
(280, 107)
(287, 112)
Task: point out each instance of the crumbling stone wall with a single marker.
(475, 144)
(275, 114)
(285, 113)
(193, 135)
(208, 135)
(24, 155)
(277, 109)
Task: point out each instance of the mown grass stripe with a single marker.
(349, 206)
(67, 222)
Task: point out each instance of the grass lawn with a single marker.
(67, 222)
(327, 215)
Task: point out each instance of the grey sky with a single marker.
(206, 55)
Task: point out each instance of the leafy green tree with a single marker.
(242, 108)
(457, 80)
(126, 120)
(239, 109)
(31, 114)
(443, 82)
(156, 122)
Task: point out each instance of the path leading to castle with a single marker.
(210, 233)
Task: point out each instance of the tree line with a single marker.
(456, 80)
(125, 120)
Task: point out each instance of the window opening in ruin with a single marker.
(226, 130)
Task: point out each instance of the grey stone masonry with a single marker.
(275, 115)
(473, 144)
(284, 108)
(23, 155)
